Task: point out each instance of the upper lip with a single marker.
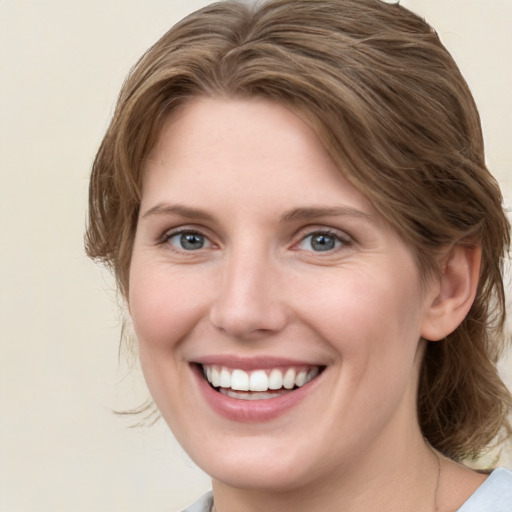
(252, 363)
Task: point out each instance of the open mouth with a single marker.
(260, 384)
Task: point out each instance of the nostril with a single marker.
(247, 302)
(248, 316)
(243, 323)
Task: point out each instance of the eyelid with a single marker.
(326, 230)
(305, 232)
(169, 233)
(341, 236)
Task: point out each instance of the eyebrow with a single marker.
(178, 209)
(297, 214)
(314, 213)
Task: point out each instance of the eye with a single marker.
(321, 241)
(188, 240)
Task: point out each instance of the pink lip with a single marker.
(253, 363)
(251, 410)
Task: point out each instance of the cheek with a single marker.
(373, 322)
(362, 304)
(164, 309)
(163, 306)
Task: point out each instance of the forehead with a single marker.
(244, 147)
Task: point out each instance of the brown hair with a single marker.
(390, 105)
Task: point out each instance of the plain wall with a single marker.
(61, 65)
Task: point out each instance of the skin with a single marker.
(259, 287)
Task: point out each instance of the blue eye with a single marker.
(188, 241)
(320, 242)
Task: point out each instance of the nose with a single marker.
(249, 303)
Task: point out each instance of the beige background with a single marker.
(61, 65)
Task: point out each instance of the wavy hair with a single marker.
(390, 105)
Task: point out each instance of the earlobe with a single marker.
(454, 291)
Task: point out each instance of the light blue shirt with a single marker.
(494, 495)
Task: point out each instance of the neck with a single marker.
(386, 479)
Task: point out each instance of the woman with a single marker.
(294, 200)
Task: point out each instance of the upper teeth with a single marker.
(258, 380)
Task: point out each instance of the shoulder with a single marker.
(494, 495)
(203, 504)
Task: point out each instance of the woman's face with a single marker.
(257, 265)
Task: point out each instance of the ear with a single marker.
(452, 292)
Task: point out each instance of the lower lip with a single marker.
(251, 410)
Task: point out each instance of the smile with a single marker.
(257, 384)
(255, 389)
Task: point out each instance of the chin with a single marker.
(270, 475)
(261, 463)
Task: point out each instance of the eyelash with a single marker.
(166, 238)
(341, 241)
